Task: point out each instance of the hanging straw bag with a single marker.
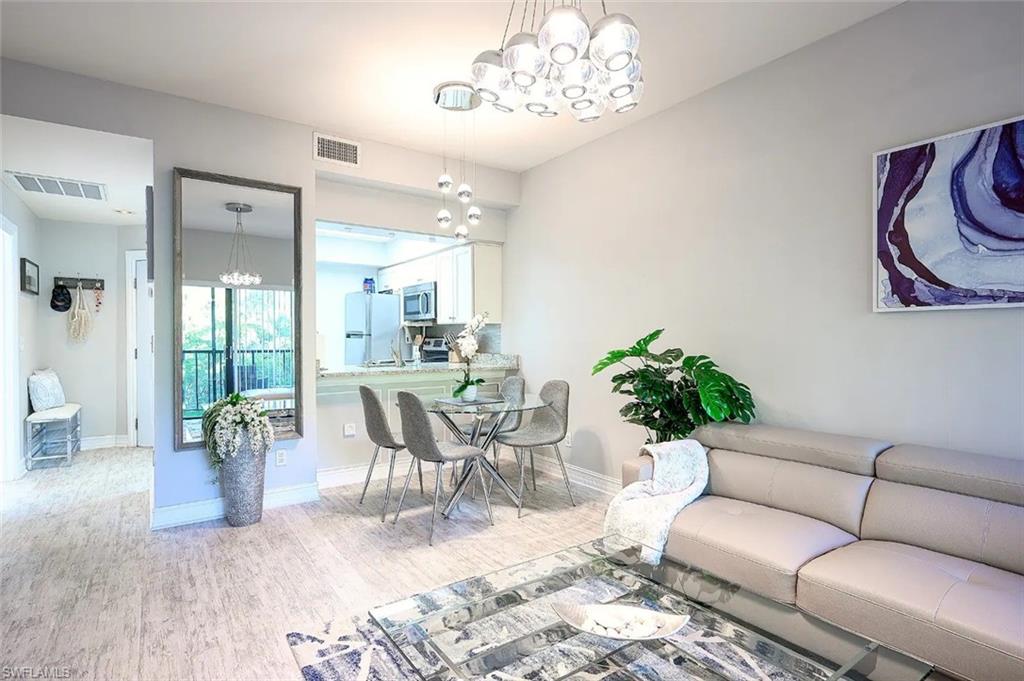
(79, 317)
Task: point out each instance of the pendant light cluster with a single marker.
(460, 99)
(566, 65)
(240, 271)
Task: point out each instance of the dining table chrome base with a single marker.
(479, 465)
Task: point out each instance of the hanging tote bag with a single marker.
(79, 317)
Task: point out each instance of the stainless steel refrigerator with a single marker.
(372, 325)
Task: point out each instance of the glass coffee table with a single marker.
(501, 627)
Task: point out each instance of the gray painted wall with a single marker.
(740, 220)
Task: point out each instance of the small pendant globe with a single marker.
(630, 101)
(461, 232)
(490, 77)
(464, 193)
(621, 83)
(444, 183)
(614, 42)
(523, 59)
(541, 96)
(593, 111)
(574, 80)
(563, 36)
(444, 218)
(473, 215)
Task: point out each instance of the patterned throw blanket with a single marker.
(644, 510)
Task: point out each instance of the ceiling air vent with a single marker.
(59, 186)
(335, 150)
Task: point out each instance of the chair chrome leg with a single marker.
(533, 471)
(387, 492)
(565, 476)
(369, 472)
(419, 469)
(405, 488)
(487, 496)
(433, 512)
(521, 455)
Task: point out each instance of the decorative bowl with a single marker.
(620, 622)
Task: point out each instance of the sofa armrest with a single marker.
(637, 468)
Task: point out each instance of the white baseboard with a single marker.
(213, 509)
(349, 475)
(104, 441)
(584, 477)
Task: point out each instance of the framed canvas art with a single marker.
(949, 221)
(29, 276)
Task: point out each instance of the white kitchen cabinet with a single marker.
(409, 273)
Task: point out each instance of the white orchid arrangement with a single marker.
(468, 347)
(228, 420)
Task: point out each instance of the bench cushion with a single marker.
(963, 616)
(754, 546)
(62, 413)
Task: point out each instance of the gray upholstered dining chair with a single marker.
(547, 428)
(380, 434)
(419, 439)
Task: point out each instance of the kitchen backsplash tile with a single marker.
(490, 337)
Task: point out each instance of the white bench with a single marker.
(53, 433)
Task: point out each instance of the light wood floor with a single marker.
(86, 585)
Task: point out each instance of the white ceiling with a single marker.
(366, 70)
(203, 208)
(123, 164)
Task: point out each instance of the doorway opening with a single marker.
(82, 331)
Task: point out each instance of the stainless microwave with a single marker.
(419, 302)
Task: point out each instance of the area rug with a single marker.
(357, 652)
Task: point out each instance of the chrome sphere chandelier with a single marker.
(567, 65)
(460, 99)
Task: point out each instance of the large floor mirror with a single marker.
(237, 287)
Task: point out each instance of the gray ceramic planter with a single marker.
(241, 483)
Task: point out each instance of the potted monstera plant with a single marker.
(673, 393)
(238, 434)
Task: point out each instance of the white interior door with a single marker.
(144, 362)
(11, 464)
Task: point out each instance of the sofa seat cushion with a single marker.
(963, 616)
(757, 547)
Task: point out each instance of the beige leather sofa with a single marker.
(918, 548)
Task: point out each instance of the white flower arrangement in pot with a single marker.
(468, 347)
(238, 434)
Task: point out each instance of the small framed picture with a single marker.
(29, 276)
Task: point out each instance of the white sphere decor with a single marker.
(473, 215)
(464, 193)
(574, 80)
(592, 111)
(630, 101)
(461, 232)
(620, 83)
(444, 183)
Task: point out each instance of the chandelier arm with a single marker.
(508, 22)
(522, 21)
(233, 253)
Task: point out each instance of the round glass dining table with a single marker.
(490, 413)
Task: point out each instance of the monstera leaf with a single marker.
(673, 393)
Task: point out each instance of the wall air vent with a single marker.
(60, 186)
(335, 150)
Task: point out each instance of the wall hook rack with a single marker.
(73, 282)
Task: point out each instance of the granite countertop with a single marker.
(482, 361)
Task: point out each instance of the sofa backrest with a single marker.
(962, 504)
(815, 474)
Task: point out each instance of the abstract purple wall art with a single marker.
(949, 221)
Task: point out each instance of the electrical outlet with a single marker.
(350, 430)
(282, 457)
